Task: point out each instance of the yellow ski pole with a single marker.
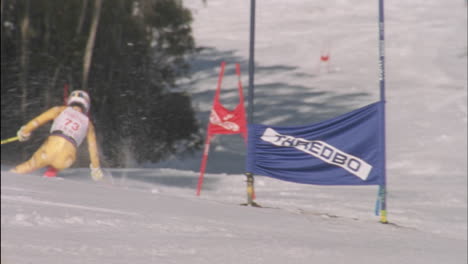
(8, 140)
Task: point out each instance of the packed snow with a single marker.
(152, 215)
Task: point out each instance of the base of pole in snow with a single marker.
(250, 191)
(250, 188)
(381, 205)
(383, 217)
(254, 204)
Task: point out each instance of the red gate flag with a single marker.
(223, 120)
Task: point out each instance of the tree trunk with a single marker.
(24, 61)
(51, 86)
(90, 45)
(79, 27)
(2, 3)
(24, 64)
(47, 26)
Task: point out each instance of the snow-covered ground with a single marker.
(151, 215)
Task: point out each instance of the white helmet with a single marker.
(80, 97)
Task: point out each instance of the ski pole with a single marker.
(8, 140)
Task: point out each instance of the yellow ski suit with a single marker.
(57, 151)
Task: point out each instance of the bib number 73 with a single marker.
(71, 124)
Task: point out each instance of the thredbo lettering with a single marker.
(321, 150)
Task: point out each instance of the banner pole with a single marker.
(250, 119)
(251, 62)
(383, 187)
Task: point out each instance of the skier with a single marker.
(69, 128)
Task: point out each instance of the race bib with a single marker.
(72, 123)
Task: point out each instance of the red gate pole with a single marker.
(65, 93)
(241, 102)
(209, 135)
(203, 163)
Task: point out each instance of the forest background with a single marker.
(128, 54)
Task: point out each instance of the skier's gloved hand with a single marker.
(96, 173)
(23, 136)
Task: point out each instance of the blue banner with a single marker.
(344, 150)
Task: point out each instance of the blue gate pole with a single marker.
(250, 176)
(251, 62)
(383, 186)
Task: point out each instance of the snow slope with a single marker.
(153, 217)
(151, 214)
